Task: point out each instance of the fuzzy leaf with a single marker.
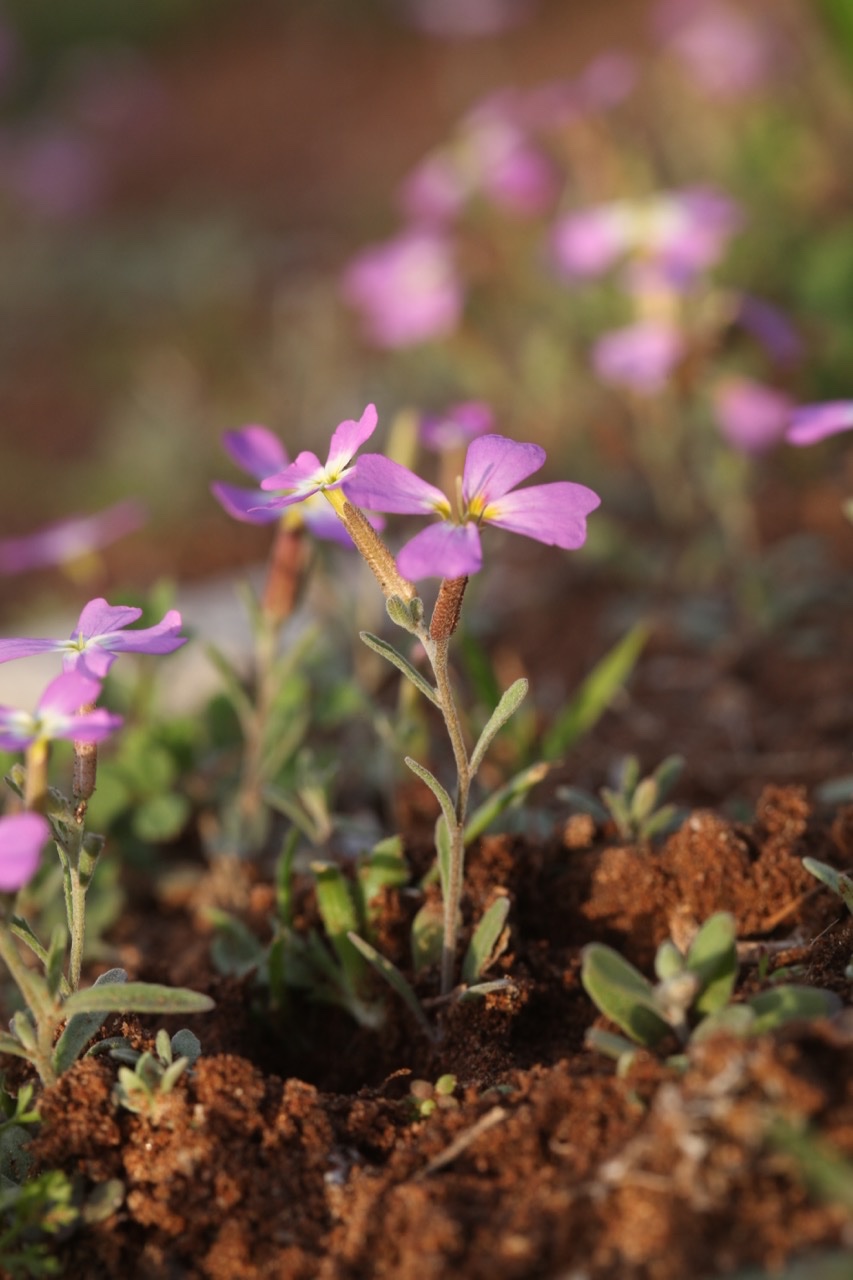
(233, 686)
(622, 994)
(8, 1044)
(427, 935)
(789, 1003)
(596, 693)
(510, 702)
(482, 949)
(512, 793)
(137, 997)
(340, 918)
(395, 980)
(447, 806)
(668, 960)
(609, 1043)
(384, 867)
(837, 881)
(390, 654)
(713, 958)
(80, 1028)
(667, 774)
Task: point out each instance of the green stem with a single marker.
(437, 652)
(76, 922)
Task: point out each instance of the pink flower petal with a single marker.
(256, 450)
(551, 513)
(249, 505)
(99, 617)
(442, 550)
(813, 422)
(348, 438)
(22, 836)
(382, 485)
(305, 466)
(495, 464)
(67, 693)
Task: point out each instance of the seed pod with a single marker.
(448, 608)
(375, 552)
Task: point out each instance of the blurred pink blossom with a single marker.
(406, 290)
(457, 426)
(491, 154)
(723, 49)
(813, 422)
(682, 233)
(71, 539)
(639, 357)
(751, 416)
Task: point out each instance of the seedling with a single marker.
(142, 1086)
(635, 805)
(692, 996)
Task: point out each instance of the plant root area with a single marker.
(294, 1148)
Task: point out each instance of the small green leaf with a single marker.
(83, 1025)
(512, 793)
(482, 947)
(395, 980)
(408, 615)
(837, 881)
(390, 654)
(596, 693)
(713, 958)
(185, 1044)
(427, 935)
(340, 918)
(789, 1003)
(667, 774)
(643, 801)
(447, 806)
(233, 686)
(735, 1019)
(8, 1044)
(510, 702)
(160, 818)
(668, 960)
(610, 1044)
(384, 867)
(137, 997)
(622, 994)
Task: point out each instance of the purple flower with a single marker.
(771, 327)
(57, 715)
(722, 49)
(262, 455)
(751, 416)
(406, 290)
(458, 426)
(307, 475)
(22, 836)
(640, 357)
(71, 539)
(99, 638)
(683, 233)
(813, 422)
(52, 171)
(551, 513)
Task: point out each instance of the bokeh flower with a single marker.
(551, 513)
(72, 539)
(725, 51)
(751, 415)
(99, 638)
(58, 715)
(406, 290)
(22, 837)
(683, 233)
(456, 427)
(640, 357)
(813, 422)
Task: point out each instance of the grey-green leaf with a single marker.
(137, 997)
(510, 702)
(482, 949)
(395, 980)
(437, 790)
(713, 958)
(390, 654)
(622, 994)
(790, 1003)
(837, 881)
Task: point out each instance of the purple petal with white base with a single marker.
(22, 836)
(71, 539)
(307, 476)
(99, 638)
(494, 465)
(442, 550)
(814, 422)
(56, 715)
(551, 513)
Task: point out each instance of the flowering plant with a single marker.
(60, 1017)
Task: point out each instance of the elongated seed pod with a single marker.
(375, 552)
(448, 608)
